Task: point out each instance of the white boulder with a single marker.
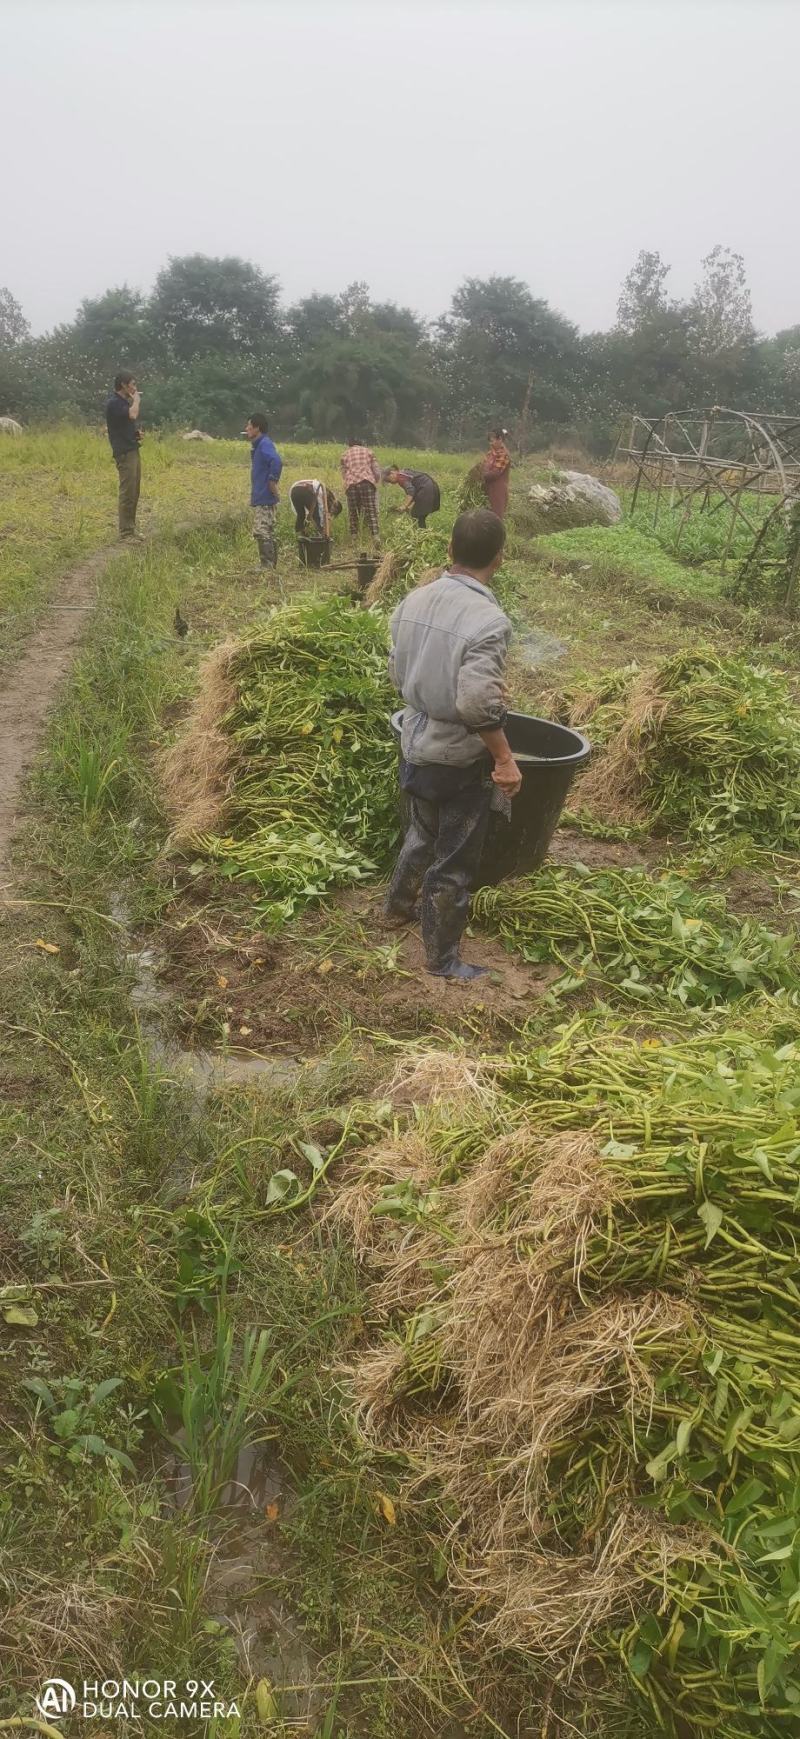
(197, 435)
(574, 498)
(9, 427)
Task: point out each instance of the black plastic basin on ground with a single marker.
(548, 756)
(314, 552)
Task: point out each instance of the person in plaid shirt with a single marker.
(361, 474)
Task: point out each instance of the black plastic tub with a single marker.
(366, 569)
(549, 756)
(314, 552)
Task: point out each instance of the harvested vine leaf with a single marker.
(648, 936)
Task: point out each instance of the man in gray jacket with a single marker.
(449, 650)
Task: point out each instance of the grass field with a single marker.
(58, 496)
(174, 1321)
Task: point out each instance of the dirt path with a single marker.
(30, 688)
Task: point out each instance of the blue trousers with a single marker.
(439, 859)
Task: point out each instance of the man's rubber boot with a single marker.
(267, 551)
(459, 970)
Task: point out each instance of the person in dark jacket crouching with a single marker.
(449, 651)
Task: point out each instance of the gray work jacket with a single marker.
(449, 649)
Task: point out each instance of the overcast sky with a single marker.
(410, 143)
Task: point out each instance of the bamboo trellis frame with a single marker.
(723, 457)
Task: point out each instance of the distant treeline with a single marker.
(213, 341)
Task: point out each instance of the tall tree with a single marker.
(781, 362)
(389, 317)
(202, 306)
(721, 308)
(214, 393)
(114, 331)
(496, 341)
(355, 308)
(313, 318)
(14, 327)
(643, 294)
(376, 385)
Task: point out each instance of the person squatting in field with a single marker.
(448, 659)
(422, 492)
(313, 504)
(122, 410)
(265, 469)
(361, 474)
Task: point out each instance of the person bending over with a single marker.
(448, 659)
(313, 504)
(265, 469)
(422, 492)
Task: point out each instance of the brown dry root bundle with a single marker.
(390, 568)
(549, 1601)
(545, 1185)
(428, 575)
(435, 1075)
(438, 1085)
(612, 786)
(524, 1383)
(380, 1381)
(497, 1361)
(406, 1159)
(393, 566)
(197, 770)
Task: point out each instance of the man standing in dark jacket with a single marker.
(122, 410)
(265, 469)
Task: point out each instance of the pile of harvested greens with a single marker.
(708, 745)
(584, 1277)
(311, 775)
(643, 936)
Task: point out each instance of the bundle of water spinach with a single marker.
(313, 791)
(644, 936)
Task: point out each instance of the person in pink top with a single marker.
(361, 474)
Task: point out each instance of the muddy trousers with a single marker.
(129, 466)
(264, 534)
(440, 856)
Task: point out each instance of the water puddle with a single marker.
(258, 1482)
(251, 1560)
(248, 1557)
(250, 1563)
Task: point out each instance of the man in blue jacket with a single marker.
(265, 469)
